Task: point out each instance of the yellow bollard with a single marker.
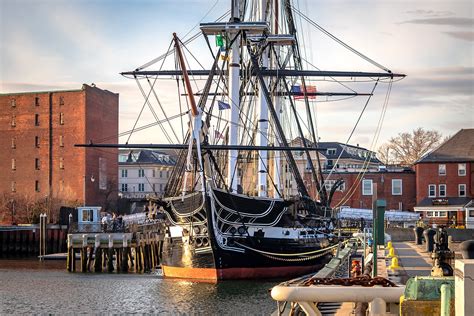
(391, 253)
(394, 264)
(389, 245)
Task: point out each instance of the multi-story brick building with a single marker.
(38, 159)
(445, 180)
(358, 190)
(143, 173)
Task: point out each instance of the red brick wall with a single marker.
(352, 195)
(89, 113)
(427, 173)
(102, 126)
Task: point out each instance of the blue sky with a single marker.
(53, 44)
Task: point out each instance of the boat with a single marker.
(236, 204)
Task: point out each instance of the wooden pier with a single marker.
(109, 252)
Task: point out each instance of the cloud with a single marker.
(430, 13)
(467, 36)
(452, 21)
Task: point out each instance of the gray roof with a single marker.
(450, 201)
(459, 148)
(148, 157)
(323, 146)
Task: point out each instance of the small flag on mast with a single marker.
(223, 106)
(299, 92)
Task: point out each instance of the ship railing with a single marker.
(300, 293)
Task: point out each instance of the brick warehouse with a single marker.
(41, 167)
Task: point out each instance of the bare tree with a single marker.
(407, 148)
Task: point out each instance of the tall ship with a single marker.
(245, 200)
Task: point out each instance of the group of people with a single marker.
(112, 223)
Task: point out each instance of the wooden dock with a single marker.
(109, 252)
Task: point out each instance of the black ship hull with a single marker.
(212, 246)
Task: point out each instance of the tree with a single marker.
(406, 148)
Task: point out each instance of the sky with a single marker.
(56, 45)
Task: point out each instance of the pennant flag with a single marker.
(299, 94)
(223, 105)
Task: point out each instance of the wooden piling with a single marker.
(89, 259)
(73, 256)
(69, 257)
(110, 255)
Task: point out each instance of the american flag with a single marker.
(299, 94)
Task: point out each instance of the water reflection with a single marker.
(33, 287)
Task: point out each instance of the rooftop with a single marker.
(458, 148)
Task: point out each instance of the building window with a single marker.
(124, 187)
(61, 100)
(37, 164)
(141, 173)
(37, 186)
(331, 151)
(168, 174)
(161, 187)
(124, 173)
(37, 120)
(442, 190)
(13, 122)
(432, 190)
(141, 187)
(153, 187)
(13, 186)
(442, 169)
(13, 143)
(436, 214)
(396, 186)
(462, 190)
(367, 187)
(154, 173)
(13, 103)
(37, 141)
(37, 101)
(61, 163)
(13, 164)
(61, 118)
(461, 169)
(161, 174)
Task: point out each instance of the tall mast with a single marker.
(234, 98)
(277, 160)
(262, 135)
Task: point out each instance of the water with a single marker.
(31, 287)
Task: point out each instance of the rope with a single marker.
(291, 254)
(319, 27)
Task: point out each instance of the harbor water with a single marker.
(33, 287)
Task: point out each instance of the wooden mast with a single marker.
(187, 83)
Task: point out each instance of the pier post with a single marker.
(73, 255)
(98, 255)
(84, 254)
(124, 265)
(69, 257)
(110, 255)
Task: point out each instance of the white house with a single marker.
(143, 173)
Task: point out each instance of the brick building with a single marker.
(445, 180)
(396, 186)
(38, 159)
